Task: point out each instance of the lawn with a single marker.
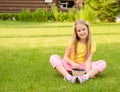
(25, 48)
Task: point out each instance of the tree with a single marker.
(106, 9)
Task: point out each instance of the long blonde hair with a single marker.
(76, 38)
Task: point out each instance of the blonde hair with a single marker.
(76, 38)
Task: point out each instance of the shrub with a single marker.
(54, 12)
(40, 15)
(15, 16)
(4, 16)
(63, 16)
(50, 17)
(106, 9)
(108, 12)
(25, 15)
(87, 13)
(72, 13)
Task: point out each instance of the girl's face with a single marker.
(82, 31)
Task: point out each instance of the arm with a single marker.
(67, 58)
(88, 62)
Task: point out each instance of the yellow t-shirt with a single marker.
(81, 51)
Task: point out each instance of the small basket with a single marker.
(78, 72)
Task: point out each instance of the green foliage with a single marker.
(8, 16)
(106, 9)
(54, 11)
(87, 14)
(15, 16)
(72, 13)
(50, 17)
(39, 15)
(102, 10)
(25, 15)
(108, 12)
(4, 16)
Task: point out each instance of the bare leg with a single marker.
(56, 62)
(62, 70)
(101, 65)
(92, 73)
(66, 75)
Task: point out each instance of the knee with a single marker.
(53, 57)
(55, 60)
(103, 64)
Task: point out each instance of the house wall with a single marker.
(12, 6)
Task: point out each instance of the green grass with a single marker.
(25, 48)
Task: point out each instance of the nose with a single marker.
(81, 32)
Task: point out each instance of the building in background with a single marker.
(13, 6)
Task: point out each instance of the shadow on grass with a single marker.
(36, 36)
(28, 26)
(57, 35)
(106, 33)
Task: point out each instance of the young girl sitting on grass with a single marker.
(78, 54)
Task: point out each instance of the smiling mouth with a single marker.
(82, 35)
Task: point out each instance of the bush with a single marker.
(105, 12)
(50, 17)
(4, 16)
(88, 14)
(63, 16)
(54, 12)
(40, 15)
(108, 12)
(72, 13)
(106, 9)
(25, 15)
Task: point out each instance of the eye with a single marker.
(78, 30)
(83, 29)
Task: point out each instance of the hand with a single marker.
(76, 65)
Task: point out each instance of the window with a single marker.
(66, 4)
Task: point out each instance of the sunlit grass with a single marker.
(25, 48)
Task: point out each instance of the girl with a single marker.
(78, 54)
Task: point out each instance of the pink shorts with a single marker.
(57, 60)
